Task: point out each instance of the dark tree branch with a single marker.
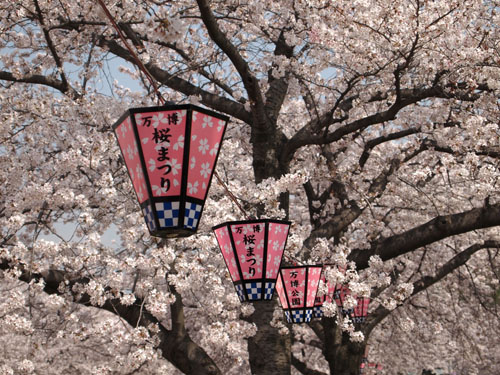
(278, 87)
(52, 47)
(350, 212)
(408, 97)
(249, 80)
(214, 101)
(41, 80)
(175, 344)
(425, 282)
(425, 234)
(372, 143)
(302, 367)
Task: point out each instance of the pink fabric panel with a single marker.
(162, 137)
(224, 241)
(344, 291)
(321, 298)
(128, 145)
(206, 136)
(294, 281)
(331, 290)
(313, 283)
(249, 242)
(276, 241)
(329, 294)
(281, 293)
(361, 308)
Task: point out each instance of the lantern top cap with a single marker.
(169, 107)
(252, 221)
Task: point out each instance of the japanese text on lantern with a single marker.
(249, 241)
(161, 138)
(294, 283)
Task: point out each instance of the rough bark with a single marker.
(343, 356)
(269, 351)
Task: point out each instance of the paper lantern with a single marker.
(326, 297)
(360, 312)
(297, 287)
(339, 295)
(253, 250)
(170, 153)
(363, 364)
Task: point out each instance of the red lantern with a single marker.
(362, 366)
(297, 287)
(360, 312)
(327, 297)
(253, 250)
(339, 295)
(170, 153)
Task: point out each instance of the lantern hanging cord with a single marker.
(138, 61)
(143, 68)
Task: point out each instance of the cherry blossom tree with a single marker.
(371, 125)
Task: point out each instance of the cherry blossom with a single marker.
(371, 125)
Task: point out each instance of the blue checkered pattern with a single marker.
(269, 290)
(168, 214)
(346, 312)
(318, 312)
(240, 292)
(297, 316)
(148, 216)
(192, 215)
(309, 315)
(358, 319)
(254, 291)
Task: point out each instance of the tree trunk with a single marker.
(269, 351)
(344, 356)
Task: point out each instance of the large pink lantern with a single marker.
(297, 287)
(253, 250)
(170, 153)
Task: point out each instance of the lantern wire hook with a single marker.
(150, 78)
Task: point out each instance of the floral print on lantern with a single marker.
(162, 136)
(247, 238)
(313, 281)
(126, 139)
(227, 252)
(277, 236)
(248, 248)
(297, 287)
(204, 138)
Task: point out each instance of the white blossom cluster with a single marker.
(386, 117)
